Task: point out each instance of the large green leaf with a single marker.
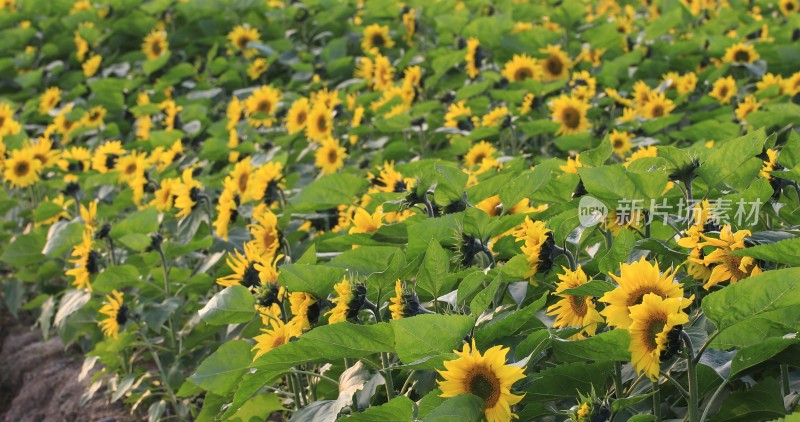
(729, 156)
(783, 252)
(510, 322)
(25, 249)
(235, 304)
(568, 380)
(327, 192)
(433, 272)
(116, 277)
(429, 337)
(398, 409)
(222, 371)
(611, 345)
(315, 279)
(465, 407)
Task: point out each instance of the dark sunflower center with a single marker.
(22, 168)
(250, 278)
(122, 315)
(479, 158)
(93, 262)
(243, 178)
(485, 385)
(2, 121)
(658, 110)
(399, 186)
(733, 262)
(654, 326)
(571, 117)
(723, 92)
(157, 48)
(377, 40)
(131, 168)
(617, 143)
(741, 56)
(301, 118)
(242, 41)
(111, 161)
(322, 124)
(333, 155)
(523, 73)
(578, 304)
(553, 65)
(636, 297)
(194, 194)
(264, 106)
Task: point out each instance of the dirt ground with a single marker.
(39, 380)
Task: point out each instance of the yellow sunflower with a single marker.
(348, 302)
(634, 281)
(620, 142)
(787, 7)
(241, 35)
(91, 65)
(398, 303)
(87, 262)
(241, 176)
(574, 311)
(473, 57)
(226, 208)
(376, 37)
(571, 113)
(329, 157)
(496, 117)
(106, 156)
(261, 105)
(22, 168)
(486, 376)
(8, 126)
(747, 106)
(266, 184)
(383, 75)
(522, 67)
(164, 197)
(257, 68)
(132, 167)
(658, 106)
(769, 164)
(390, 180)
(652, 321)
(187, 193)
(94, 117)
(276, 335)
(116, 314)
(481, 157)
(265, 234)
(49, 100)
(297, 117)
(458, 115)
(155, 44)
(727, 267)
(573, 164)
(251, 270)
(556, 65)
(364, 222)
(534, 235)
(305, 309)
(724, 89)
(527, 103)
(740, 53)
(320, 123)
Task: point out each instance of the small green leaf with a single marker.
(398, 409)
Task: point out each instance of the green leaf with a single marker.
(767, 305)
(327, 192)
(464, 407)
(70, 303)
(136, 241)
(315, 279)
(429, 336)
(525, 185)
(398, 409)
(61, 237)
(760, 403)
(257, 407)
(753, 355)
(116, 277)
(328, 343)
(144, 221)
(222, 371)
(783, 252)
(619, 252)
(432, 273)
(482, 300)
(726, 159)
(365, 260)
(568, 380)
(233, 305)
(25, 249)
(46, 210)
(594, 288)
(610, 345)
(626, 402)
(597, 157)
(498, 328)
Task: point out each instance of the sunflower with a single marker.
(769, 164)
(747, 106)
(49, 99)
(635, 281)
(364, 222)
(791, 85)
(89, 216)
(724, 89)
(261, 105)
(330, 99)
(458, 116)
(63, 124)
(527, 103)
(155, 44)
(571, 113)
(305, 308)
(87, 262)
(227, 206)
(91, 65)
(573, 164)
(787, 7)
(349, 301)
(94, 117)
(320, 123)
(694, 266)
(276, 335)
(383, 75)
(132, 167)
(234, 113)
(251, 270)
(164, 197)
(75, 160)
(8, 126)
(658, 106)
(22, 168)
(574, 311)
(376, 37)
(556, 65)
(474, 57)
(537, 241)
(81, 46)
(496, 117)
(265, 234)
(619, 99)
(642, 152)
(257, 68)
(171, 110)
(106, 156)
(522, 67)
(241, 35)
(686, 83)
(641, 94)
(266, 184)
(297, 117)
(358, 116)
(390, 180)
(740, 53)
(187, 193)
(241, 176)
(43, 151)
(329, 157)
(481, 157)
(652, 322)
(583, 85)
(486, 376)
(729, 267)
(116, 312)
(620, 142)
(365, 69)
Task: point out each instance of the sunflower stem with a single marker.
(713, 398)
(618, 391)
(111, 250)
(657, 401)
(164, 380)
(785, 379)
(387, 376)
(694, 411)
(170, 321)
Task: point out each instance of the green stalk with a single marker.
(657, 401)
(694, 410)
(618, 393)
(164, 380)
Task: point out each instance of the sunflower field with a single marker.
(374, 210)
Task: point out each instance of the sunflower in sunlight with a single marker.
(390, 180)
(91, 65)
(22, 169)
(107, 155)
(537, 242)
(571, 114)
(740, 53)
(261, 105)
(474, 57)
(297, 116)
(349, 300)
(635, 280)
(522, 67)
(319, 126)
(555, 65)
(257, 68)
(485, 375)
(496, 117)
(571, 310)
(155, 44)
(481, 157)
(116, 314)
(364, 222)
(620, 142)
(329, 157)
(726, 265)
(187, 193)
(8, 126)
(86, 261)
(724, 90)
(265, 233)
(658, 106)
(49, 99)
(747, 106)
(251, 270)
(277, 334)
(652, 323)
(376, 38)
(787, 7)
(241, 35)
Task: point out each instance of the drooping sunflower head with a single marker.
(522, 67)
(571, 113)
(305, 308)
(528, 103)
(652, 324)
(740, 53)
(474, 57)
(329, 157)
(49, 99)
(376, 38)
(459, 115)
(155, 44)
(556, 64)
(276, 335)
(241, 35)
(537, 245)
(486, 376)
(574, 311)
(724, 89)
(634, 282)
(94, 117)
(499, 116)
(265, 233)
(390, 180)
(116, 314)
(348, 302)
(22, 169)
(747, 106)
(187, 193)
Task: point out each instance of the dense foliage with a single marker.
(428, 210)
